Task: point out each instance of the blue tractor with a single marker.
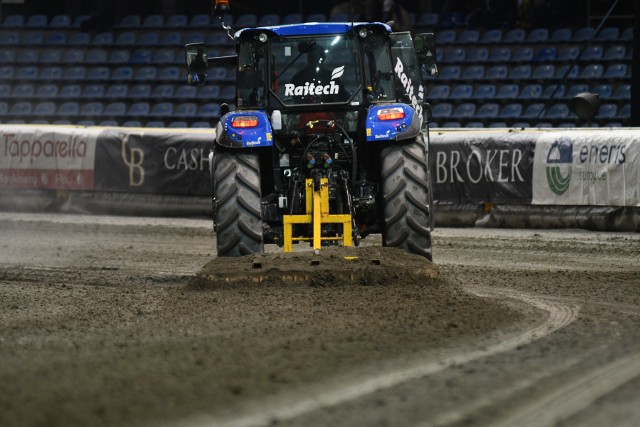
(330, 109)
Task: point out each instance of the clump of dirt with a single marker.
(367, 266)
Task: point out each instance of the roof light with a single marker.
(391, 114)
(244, 121)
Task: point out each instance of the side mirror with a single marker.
(196, 55)
(426, 52)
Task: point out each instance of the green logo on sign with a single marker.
(559, 159)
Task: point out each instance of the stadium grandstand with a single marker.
(121, 64)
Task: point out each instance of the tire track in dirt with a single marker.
(313, 398)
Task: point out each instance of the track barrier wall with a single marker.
(529, 178)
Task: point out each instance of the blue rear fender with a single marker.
(240, 129)
(392, 122)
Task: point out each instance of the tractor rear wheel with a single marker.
(237, 212)
(405, 195)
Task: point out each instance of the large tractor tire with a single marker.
(237, 212)
(405, 195)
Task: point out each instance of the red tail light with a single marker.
(244, 121)
(391, 114)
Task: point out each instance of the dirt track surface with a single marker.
(120, 321)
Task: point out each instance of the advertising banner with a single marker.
(154, 162)
(585, 168)
(481, 167)
(47, 157)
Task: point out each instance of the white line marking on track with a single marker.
(313, 398)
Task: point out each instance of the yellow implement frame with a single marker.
(317, 213)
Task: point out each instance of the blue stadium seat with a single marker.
(478, 54)
(96, 56)
(625, 112)
(292, 18)
(592, 53)
(523, 54)
(450, 72)
(554, 91)
(615, 53)
(178, 125)
(130, 21)
(627, 34)
(185, 92)
(465, 110)
(218, 39)
(568, 53)
(557, 112)
(491, 36)
(79, 20)
(451, 124)
(79, 39)
(117, 91)
(508, 91)
(520, 72)
(468, 37)
(608, 34)
(209, 92)
(568, 71)
(165, 56)
(607, 111)
(50, 73)
(61, 21)
(511, 111)
(561, 35)
(173, 38)
(47, 91)
(201, 125)
(439, 91)
(162, 109)
(118, 57)
(584, 34)
(616, 71)
(5, 90)
(28, 56)
(132, 124)
(115, 109)
(149, 39)
(126, 38)
(163, 91)
(13, 21)
(246, 20)
(533, 111)
(103, 39)
(196, 37)
(517, 35)
(27, 73)
(186, 109)
(474, 72)
(98, 73)
(68, 109)
(488, 110)
(123, 73)
(538, 35)
(153, 21)
(428, 20)
(576, 89)
(464, 91)
(73, 56)
(23, 90)
(176, 21)
(317, 17)
(200, 20)
(445, 37)
(6, 72)
(456, 54)
(474, 125)
(140, 91)
(142, 56)
(93, 108)
(50, 56)
(45, 109)
(592, 71)
(442, 110)
(269, 20)
(8, 38)
(544, 72)
(485, 92)
(546, 54)
(228, 93)
(497, 72)
(37, 21)
(500, 54)
(93, 91)
(34, 38)
(498, 125)
(146, 73)
(21, 108)
(56, 38)
(604, 91)
(170, 73)
(210, 110)
(7, 56)
(623, 92)
(70, 91)
(531, 91)
(155, 124)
